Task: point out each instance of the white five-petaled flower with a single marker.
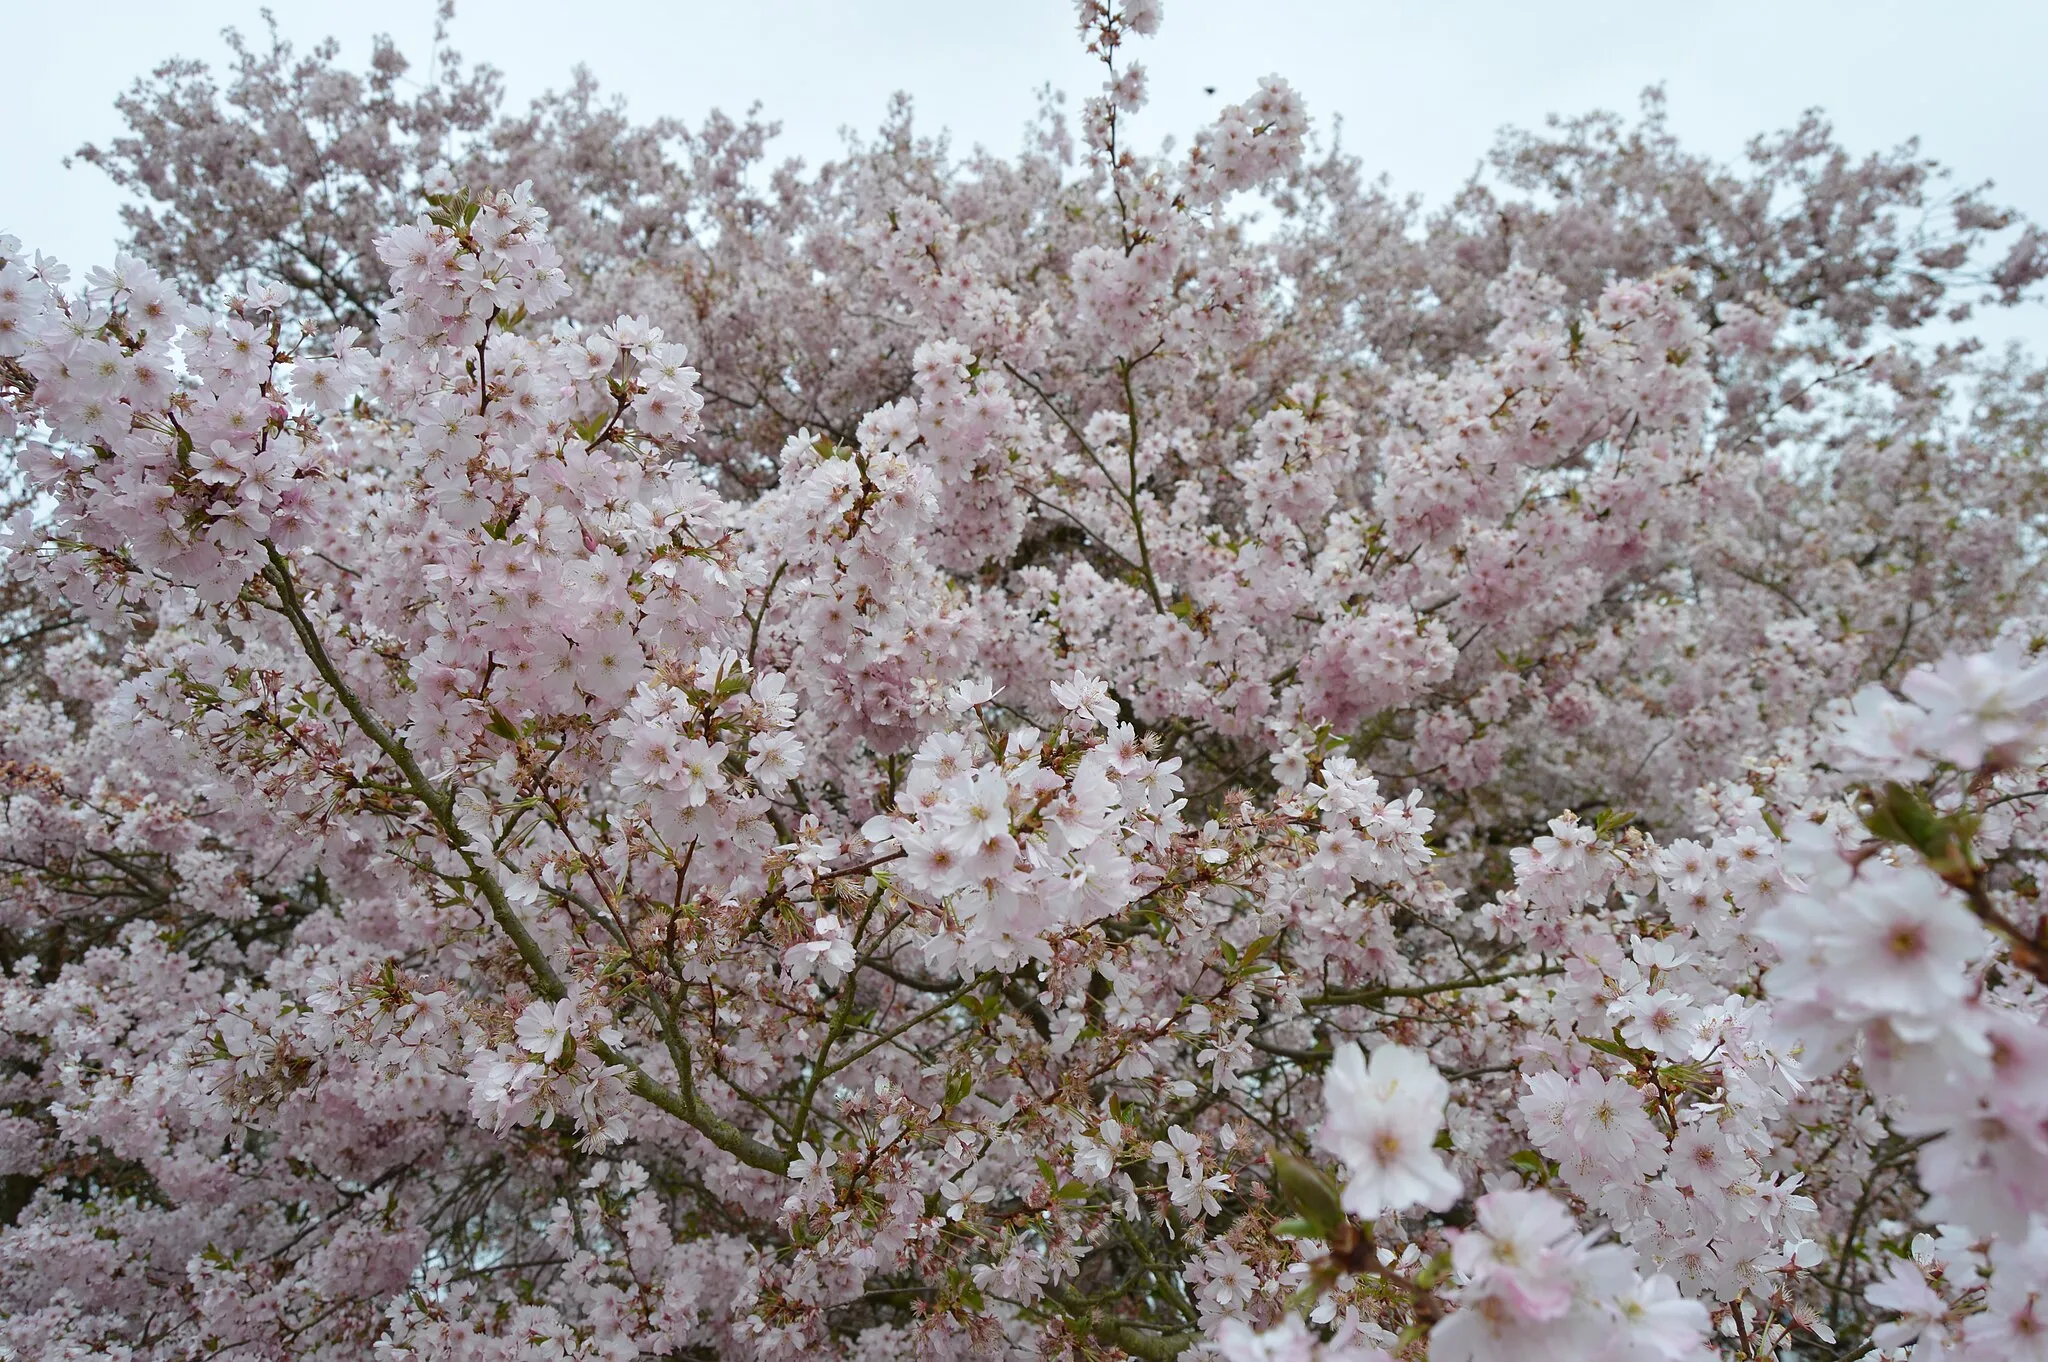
(830, 953)
(967, 695)
(1381, 1120)
(543, 1029)
(1086, 697)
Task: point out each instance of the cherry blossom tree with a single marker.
(1099, 754)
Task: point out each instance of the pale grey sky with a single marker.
(1421, 86)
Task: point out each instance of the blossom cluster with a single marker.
(979, 758)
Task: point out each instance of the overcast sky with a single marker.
(1421, 86)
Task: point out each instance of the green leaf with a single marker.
(1311, 1192)
(1687, 1075)
(959, 1087)
(1617, 1047)
(1612, 821)
(1902, 816)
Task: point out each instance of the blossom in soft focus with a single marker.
(1381, 1120)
